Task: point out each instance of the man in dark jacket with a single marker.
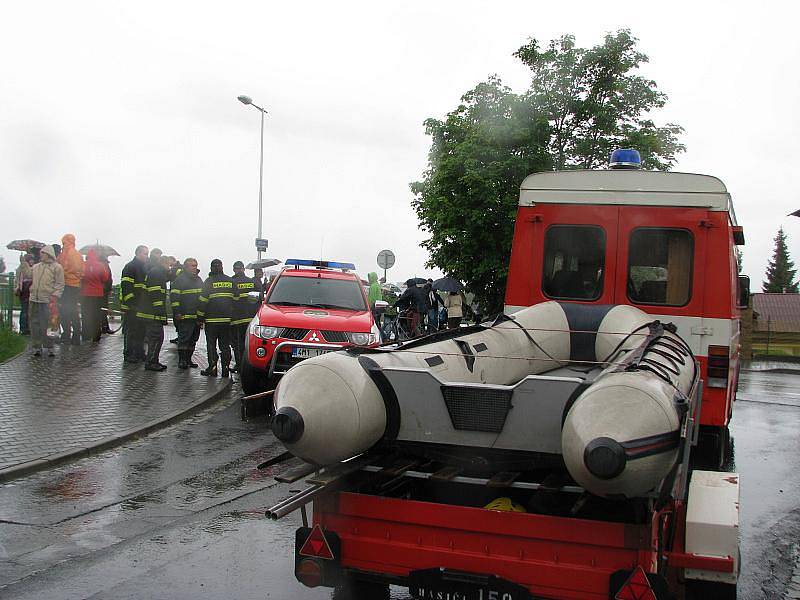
(131, 292)
(185, 297)
(153, 311)
(414, 300)
(245, 308)
(216, 307)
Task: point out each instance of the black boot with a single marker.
(210, 371)
(189, 361)
(182, 362)
(153, 367)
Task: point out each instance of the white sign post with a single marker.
(385, 261)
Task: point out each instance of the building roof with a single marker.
(779, 312)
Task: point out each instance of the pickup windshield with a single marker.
(317, 292)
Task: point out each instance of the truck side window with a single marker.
(574, 261)
(660, 266)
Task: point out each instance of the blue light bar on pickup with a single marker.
(326, 264)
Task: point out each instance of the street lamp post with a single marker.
(247, 100)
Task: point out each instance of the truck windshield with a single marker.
(317, 292)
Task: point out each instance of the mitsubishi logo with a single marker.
(314, 337)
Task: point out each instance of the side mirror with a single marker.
(744, 292)
(381, 306)
(255, 295)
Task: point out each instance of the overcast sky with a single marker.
(119, 121)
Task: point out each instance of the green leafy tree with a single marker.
(467, 200)
(780, 270)
(595, 102)
(582, 103)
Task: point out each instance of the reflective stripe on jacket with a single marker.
(131, 287)
(216, 299)
(244, 307)
(153, 305)
(185, 295)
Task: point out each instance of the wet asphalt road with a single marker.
(180, 513)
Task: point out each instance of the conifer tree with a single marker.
(780, 270)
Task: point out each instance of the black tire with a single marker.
(253, 381)
(709, 590)
(714, 450)
(358, 589)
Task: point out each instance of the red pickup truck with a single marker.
(312, 307)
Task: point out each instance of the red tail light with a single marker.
(309, 572)
(718, 363)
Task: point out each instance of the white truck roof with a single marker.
(631, 187)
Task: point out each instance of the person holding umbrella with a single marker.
(434, 300)
(454, 301)
(93, 288)
(22, 288)
(413, 301)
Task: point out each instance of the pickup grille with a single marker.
(294, 333)
(473, 409)
(334, 336)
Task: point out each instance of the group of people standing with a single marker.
(224, 305)
(60, 282)
(425, 308)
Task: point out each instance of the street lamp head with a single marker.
(245, 99)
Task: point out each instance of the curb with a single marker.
(781, 370)
(116, 440)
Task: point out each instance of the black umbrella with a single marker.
(263, 263)
(448, 284)
(416, 281)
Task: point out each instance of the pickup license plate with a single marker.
(308, 352)
(439, 584)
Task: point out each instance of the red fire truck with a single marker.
(664, 242)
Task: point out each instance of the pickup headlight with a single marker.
(265, 333)
(366, 339)
(363, 339)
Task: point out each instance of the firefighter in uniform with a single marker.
(154, 312)
(131, 292)
(216, 306)
(185, 295)
(245, 308)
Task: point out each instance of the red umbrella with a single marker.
(24, 245)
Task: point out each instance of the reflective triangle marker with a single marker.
(636, 588)
(317, 546)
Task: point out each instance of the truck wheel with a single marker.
(358, 589)
(253, 381)
(709, 590)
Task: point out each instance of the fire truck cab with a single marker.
(663, 242)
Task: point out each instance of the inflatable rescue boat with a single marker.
(601, 390)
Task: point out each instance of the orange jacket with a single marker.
(71, 260)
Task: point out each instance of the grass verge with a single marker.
(11, 344)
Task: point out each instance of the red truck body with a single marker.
(444, 537)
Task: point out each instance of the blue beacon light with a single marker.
(625, 158)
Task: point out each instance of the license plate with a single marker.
(440, 584)
(308, 352)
